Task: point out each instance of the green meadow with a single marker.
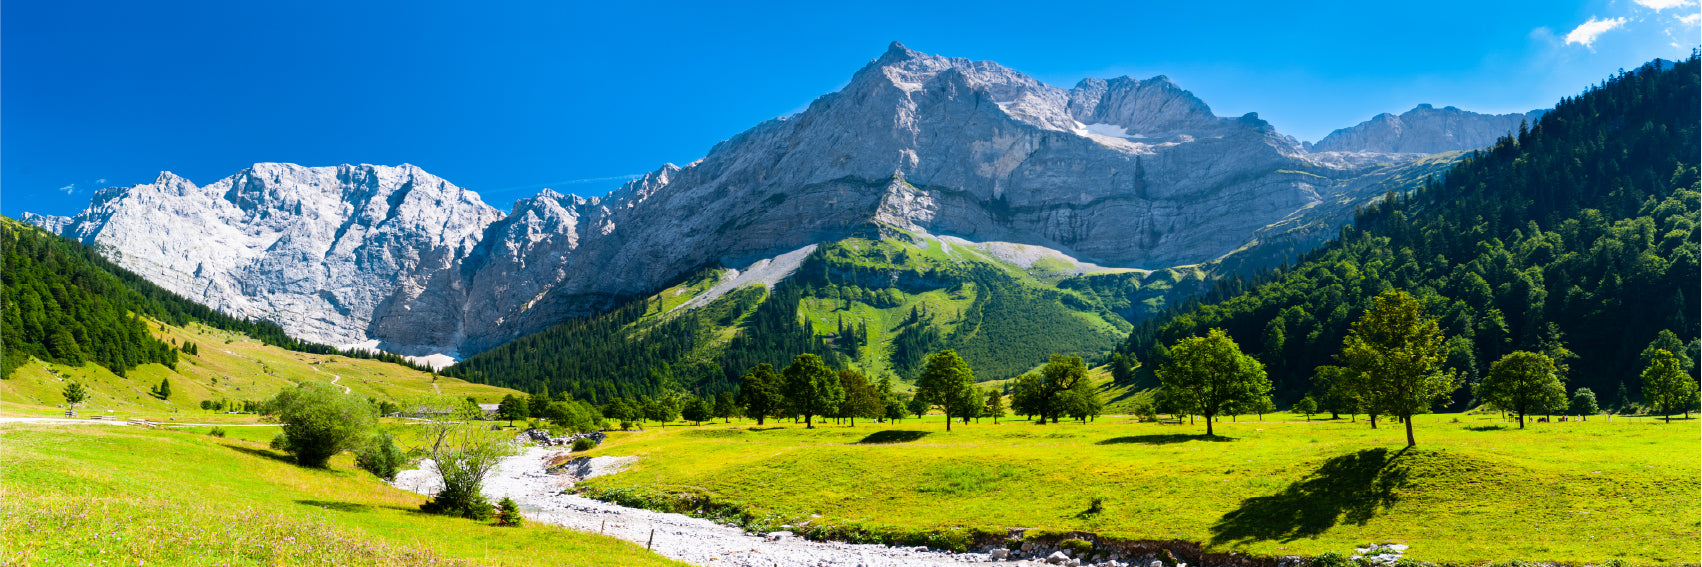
(104, 495)
(1476, 490)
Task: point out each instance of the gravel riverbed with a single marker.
(692, 540)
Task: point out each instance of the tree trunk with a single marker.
(1521, 421)
(759, 420)
(1208, 427)
(1410, 442)
(807, 424)
(948, 421)
(1373, 421)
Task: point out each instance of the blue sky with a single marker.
(577, 95)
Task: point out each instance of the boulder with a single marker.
(998, 554)
(1058, 558)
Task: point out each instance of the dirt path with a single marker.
(335, 378)
(692, 540)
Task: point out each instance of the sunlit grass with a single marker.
(1474, 491)
(84, 494)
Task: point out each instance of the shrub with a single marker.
(508, 513)
(320, 422)
(1080, 547)
(280, 441)
(217, 432)
(460, 503)
(381, 457)
(1331, 559)
(583, 444)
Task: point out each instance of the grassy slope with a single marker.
(1472, 492)
(229, 366)
(120, 495)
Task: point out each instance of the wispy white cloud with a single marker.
(1658, 5)
(101, 180)
(1587, 32)
(1691, 19)
(69, 189)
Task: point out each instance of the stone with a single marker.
(1424, 130)
(1057, 558)
(998, 554)
(778, 536)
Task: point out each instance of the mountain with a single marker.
(1117, 174)
(1424, 130)
(1578, 238)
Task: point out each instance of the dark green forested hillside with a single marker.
(1580, 233)
(613, 355)
(913, 299)
(65, 303)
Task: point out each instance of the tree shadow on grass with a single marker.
(762, 429)
(892, 436)
(338, 506)
(1164, 439)
(1485, 427)
(264, 453)
(1349, 488)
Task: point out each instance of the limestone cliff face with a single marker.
(1424, 130)
(331, 253)
(1119, 172)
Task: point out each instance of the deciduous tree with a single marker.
(1396, 353)
(1666, 386)
(812, 388)
(1206, 375)
(1524, 383)
(320, 422)
(760, 392)
(946, 381)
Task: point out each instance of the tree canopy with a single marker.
(1206, 375)
(1523, 383)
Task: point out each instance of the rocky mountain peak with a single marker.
(1120, 172)
(1424, 130)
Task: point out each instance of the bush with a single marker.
(320, 422)
(583, 444)
(280, 441)
(460, 503)
(508, 513)
(1080, 547)
(217, 432)
(381, 457)
(1331, 559)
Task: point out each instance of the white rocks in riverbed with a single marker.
(693, 540)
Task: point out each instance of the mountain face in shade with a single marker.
(1119, 173)
(1424, 130)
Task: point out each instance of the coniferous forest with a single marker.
(1577, 238)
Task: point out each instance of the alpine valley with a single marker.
(931, 203)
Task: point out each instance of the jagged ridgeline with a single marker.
(1580, 233)
(877, 303)
(65, 303)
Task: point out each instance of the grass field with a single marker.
(229, 367)
(1473, 492)
(104, 495)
